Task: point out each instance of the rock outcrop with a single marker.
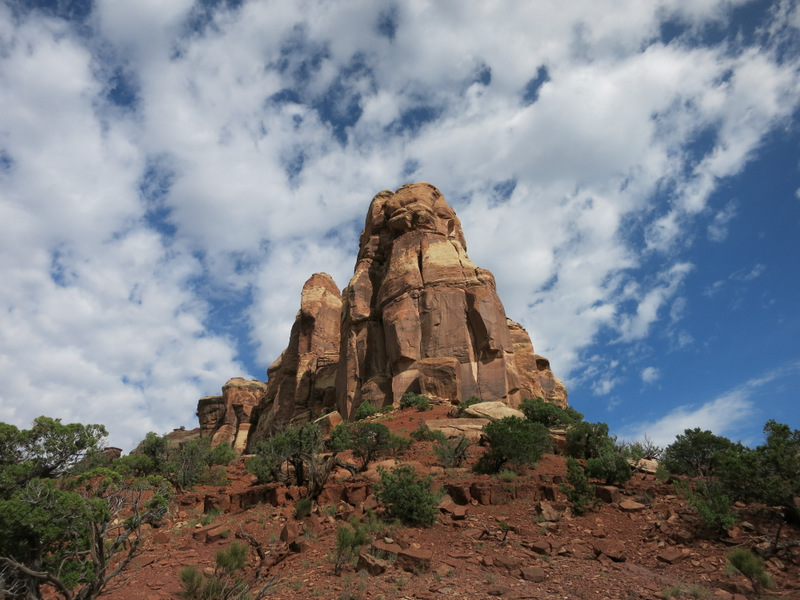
(417, 316)
(420, 316)
(227, 418)
(301, 383)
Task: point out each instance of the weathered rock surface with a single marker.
(420, 316)
(494, 411)
(417, 316)
(302, 380)
(226, 418)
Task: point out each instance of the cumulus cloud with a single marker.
(159, 163)
(650, 374)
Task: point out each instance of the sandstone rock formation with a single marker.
(227, 418)
(301, 383)
(418, 315)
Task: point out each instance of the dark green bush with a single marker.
(297, 446)
(303, 508)
(696, 453)
(222, 454)
(578, 489)
(406, 496)
(398, 444)
(364, 410)
(410, 399)
(367, 440)
(515, 442)
(609, 465)
(770, 473)
(548, 414)
(349, 539)
(585, 440)
(227, 582)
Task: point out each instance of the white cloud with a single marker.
(718, 228)
(262, 193)
(650, 374)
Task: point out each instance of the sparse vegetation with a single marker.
(451, 453)
(226, 583)
(609, 465)
(464, 405)
(578, 490)
(349, 539)
(751, 566)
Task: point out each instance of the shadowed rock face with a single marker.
(418, 315)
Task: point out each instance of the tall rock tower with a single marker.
(419, 315)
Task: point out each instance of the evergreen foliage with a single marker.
(65, 530)
(406, 496)
(515, 442)
(578, 490)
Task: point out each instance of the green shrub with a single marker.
(398, 444)
(367, 440)
(227, 582)
(364, 410)
(406, 496)
(507, 476)
(696, 453)
(423, 433)
(349, 538)
(339, 439)
(216, 476)
(610, 466)
(300, 448)
(768, 473)
(751, 566)
(711, 504)
(303, 508)
(222, 454)
(516, 442)
(578, 490)
(410, 399)
(644, 449)
(548, 414)
(585, 440)
(451, 453)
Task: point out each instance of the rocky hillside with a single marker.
(494, 536)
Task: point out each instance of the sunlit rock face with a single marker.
(419, 315)
(302, 380)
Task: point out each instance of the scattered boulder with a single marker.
(414, 560)
(493, 411)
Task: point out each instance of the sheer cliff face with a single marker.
(420, 316)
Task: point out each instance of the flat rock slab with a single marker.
(494, 411)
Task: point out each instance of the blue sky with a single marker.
(172, 173)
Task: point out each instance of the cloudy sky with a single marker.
(172, 172)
